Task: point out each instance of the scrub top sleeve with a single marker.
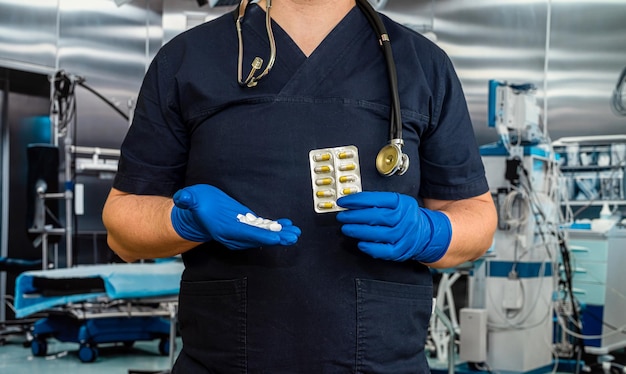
(154, 153)
(451, 165)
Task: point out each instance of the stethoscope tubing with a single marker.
(395, 128)
(257, 63)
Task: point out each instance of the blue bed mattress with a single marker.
(114, 281)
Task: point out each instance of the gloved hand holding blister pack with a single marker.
(392, 226)
(202, 213)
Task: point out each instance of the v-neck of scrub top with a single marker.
(305, 73)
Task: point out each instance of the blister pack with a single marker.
(335, 172)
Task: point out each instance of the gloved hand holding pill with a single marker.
(202, 213)
(392, 226)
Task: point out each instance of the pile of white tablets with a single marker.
(262, 223)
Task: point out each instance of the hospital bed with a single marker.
(98, 304)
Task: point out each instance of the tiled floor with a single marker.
(63, 358)
(143, 357)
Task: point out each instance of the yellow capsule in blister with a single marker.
(345, 154)
(324, 193)
(347, 178)
(347, 167)
(335, 172)
(324, 181)
(323, 169)
(321, 157)
(349, 190)
(326, 205)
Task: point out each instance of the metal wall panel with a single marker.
(487, 39)
(572, 50)
(587, 54)
(28, 34)
(110, 47)
(418, 15)
(181, 15)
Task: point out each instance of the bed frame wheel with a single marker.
(87, 353)
(39, 347)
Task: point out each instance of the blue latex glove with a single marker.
(202, 213)
(392, 226)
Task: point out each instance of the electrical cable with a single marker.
(507, 209)
(545, 227)
(525, 194)
(63, 97)
(617, 102)
(66, 108)
(617, 331)
(519, 324)
(568, 274)
(81, 82)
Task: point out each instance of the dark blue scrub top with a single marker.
(320, 305)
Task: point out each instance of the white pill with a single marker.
(275, 226)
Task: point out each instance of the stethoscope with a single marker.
(390, 159)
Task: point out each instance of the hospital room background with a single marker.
(545, 85)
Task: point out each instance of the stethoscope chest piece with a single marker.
(391, 161)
